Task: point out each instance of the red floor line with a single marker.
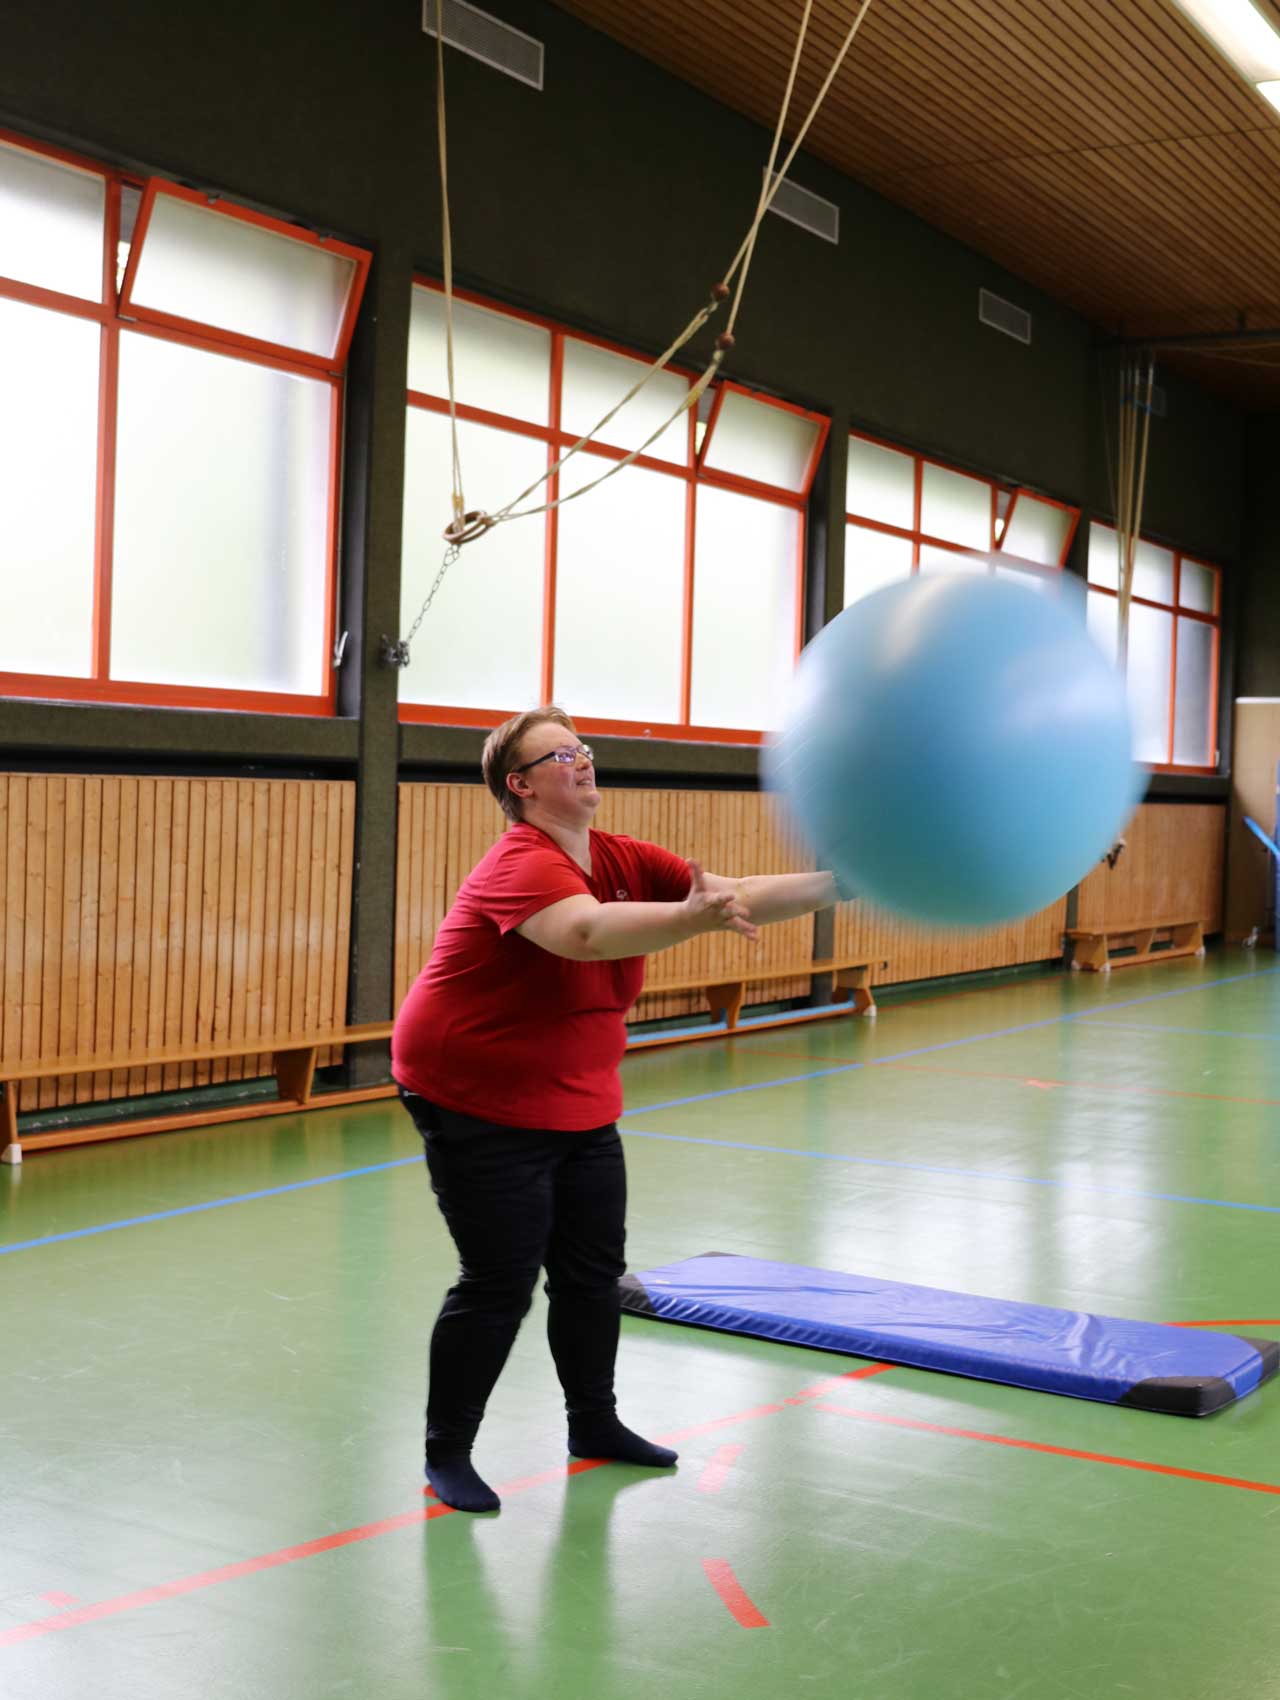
(348, 1537)
(1023, 1080)
(832, 1382)
(1054, 1451)
(1233, 1322)
(713, 1477)
(726, 1584)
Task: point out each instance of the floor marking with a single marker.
(1233, 1322)
(845, 1068)
(210, 1204)
(953, 1169)
(726, 1584)
(946, 1044)
(1054, 1451)
(1084, 1085)
(1050, 1085)
(349, 1537)
(1159, 1027)
(713, 1477)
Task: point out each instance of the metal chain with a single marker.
(397, 654)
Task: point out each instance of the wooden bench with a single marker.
(293, 1061)
(1093, 947)
(724, 993)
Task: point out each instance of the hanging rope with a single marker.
(1137, 379)
(466, 525)
(442, 136)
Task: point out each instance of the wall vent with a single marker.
(809, 211)
(488, 39)
(1001, 315)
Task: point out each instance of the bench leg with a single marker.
(858, 982)
(1091, 954)
(1142, 941)
(10, 1149)
(295, 1071)
(1188, 938)
(725, 1001)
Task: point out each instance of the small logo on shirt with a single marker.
(622, 894)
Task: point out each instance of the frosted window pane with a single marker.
(1197, 587)
(872, 559)
(202, 265)
(1104, 556)
(955, 507)
(770, 444)
(881, 484)
(595, 381)
(744, 610)
(52, 219)
(221, 522)
(480, 645)
(1103, 614)
(1153, 572)
(620, 594)
(1037, 530)
(48, 462)
(499, 363)
(935, 560)
(1192, 707)
(1150, 667)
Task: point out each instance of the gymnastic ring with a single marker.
(469, 527)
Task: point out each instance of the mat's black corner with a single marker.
(635, 1296)
(1267, 1350)
(1180, 1395)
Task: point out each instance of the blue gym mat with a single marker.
(1149, 1365)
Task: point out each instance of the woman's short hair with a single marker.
(502, 751)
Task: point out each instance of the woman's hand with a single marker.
(716, 912)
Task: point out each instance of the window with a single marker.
(169, 435)
(907, 514)
(1174, 637)
(668, 601)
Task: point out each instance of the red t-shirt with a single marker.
(500, 1029)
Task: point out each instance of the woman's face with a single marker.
(559, 786)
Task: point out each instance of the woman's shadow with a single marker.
(495, 1631)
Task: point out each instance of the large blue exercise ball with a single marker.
(957, 749)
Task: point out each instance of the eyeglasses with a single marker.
(567, 756)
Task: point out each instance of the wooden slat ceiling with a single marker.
(1105, 151)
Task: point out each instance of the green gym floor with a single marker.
(212, 1376)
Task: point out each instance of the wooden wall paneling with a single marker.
(1170, 869)
(140, 912)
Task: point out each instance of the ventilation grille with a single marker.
(1001, 315)
(809, 211)
(486, 38)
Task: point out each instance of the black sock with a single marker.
(603, 1436)
(454, 1481)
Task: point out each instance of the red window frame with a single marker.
(107, 312)
(1174, 608)
(694, 474)
(918, 537)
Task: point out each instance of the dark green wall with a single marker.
(1258, 670)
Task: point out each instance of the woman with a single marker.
(506, 1052)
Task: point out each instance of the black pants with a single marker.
(517, 1200)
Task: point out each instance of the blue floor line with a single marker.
(942, 1045)
(816, 1074)
(211, 1204)
(945, 1169)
